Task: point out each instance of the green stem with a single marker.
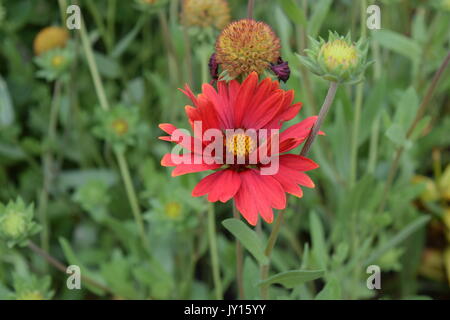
(131, 193)
(322, 114)
(124, 169)
(47, 164)
(264, 270)
(250, 8)
(358, 106)
(373, 148)
(355, 134)
(98, 84)
(212, 237)
(239, 260)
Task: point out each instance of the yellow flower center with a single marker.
(245, 46)
(30, 295)
(57, 60)
(339, 53)
(240, 144)
(173, 210)
(14, 225)
(120, 126)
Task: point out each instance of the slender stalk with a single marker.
(212, 237)
(98, 84)
(62, 10)
(322, 114)
(239, 260)
(374, 136)
(373, 147)
(358, 106)
(124, 169)
(355, 134)
(250, 8)
(125, 172)
(63, 268)
(419, 114)
(264, 290)
(47, 164)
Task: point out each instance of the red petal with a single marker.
(259, 194)
(190, 166)
(220, 186)
(244, 97)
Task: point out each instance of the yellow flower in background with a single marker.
(245, 46)
(57, 60)
(431, 192)
(50, 38)
(206, 13)
(120, 126)
(173, 210)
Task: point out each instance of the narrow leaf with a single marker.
(293, 278)
(247, 237)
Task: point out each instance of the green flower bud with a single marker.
(30, 287)
(16, 222)
(54, 64)
(337, 59)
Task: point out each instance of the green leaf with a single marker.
(331, 291)
(399, 238)
(397, 134)
(293, 278)
(247, 237)
(124, 43)
(6, 106)
(293, 11)
(319, 248)
(107, 66)
(398, 43)
(318, 15)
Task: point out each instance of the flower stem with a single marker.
(239, 260)
(124, 169)
(212, 237)
(264, 291)
(250, 8)
(358, 106)
(63, 268)
(355, 134)
(322, 114)
(47, 164)
(131, 193)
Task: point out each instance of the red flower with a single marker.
(250, 105)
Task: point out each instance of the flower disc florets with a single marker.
(338, 59)
(245, 46)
